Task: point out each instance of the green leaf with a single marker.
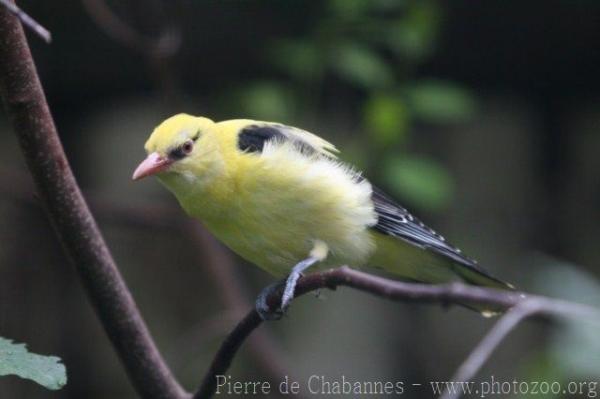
(420, 180)
(349, 9)
(386, 118)
(45, 370)
(441, 102)
(361, 66)
(413, 35)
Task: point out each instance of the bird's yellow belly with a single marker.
(278, 245)
(279, 204)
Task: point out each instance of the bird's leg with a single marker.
(288, 285)
(318, 254)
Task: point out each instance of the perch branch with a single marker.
(28, 111)
(27, 20)
(396, 290)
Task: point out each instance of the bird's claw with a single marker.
(262, 306)
(289, 287)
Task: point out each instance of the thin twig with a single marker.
(28, 111)
(226, 353)
(159, 50)
(27, 20)
(483, 351)
(529, 307)
(165, 45)
(396, 290)
(233, 293)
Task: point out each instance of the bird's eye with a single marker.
(182, 150)
(187, 147)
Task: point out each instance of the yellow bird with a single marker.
(279, 197)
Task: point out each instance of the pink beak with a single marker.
(152, 165)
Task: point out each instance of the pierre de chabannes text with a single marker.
(342, 385)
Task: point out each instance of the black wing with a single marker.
(394, 220)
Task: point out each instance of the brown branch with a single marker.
(26, 106)
(483, 351)
(27, 20)
(454, 293)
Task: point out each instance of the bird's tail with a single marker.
(476, 276)
(408, 262)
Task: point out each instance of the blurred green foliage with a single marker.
(422, 180)
(440, 102)
(373, 48)
(388, 119)
(573, 347)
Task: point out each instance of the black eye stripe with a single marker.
(181, 151)
(177, 154)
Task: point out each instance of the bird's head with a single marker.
(182, 150)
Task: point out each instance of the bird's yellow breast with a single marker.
(279, 202)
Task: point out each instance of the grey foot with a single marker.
(261, 305)
(289, 287)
